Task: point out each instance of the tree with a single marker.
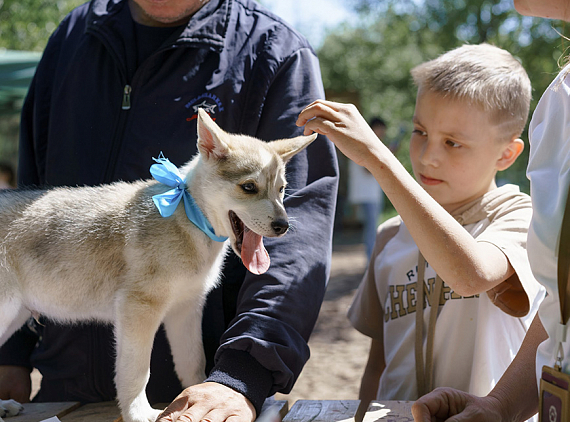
(27, 24)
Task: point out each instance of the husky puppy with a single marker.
(106, 254)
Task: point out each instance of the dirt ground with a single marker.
(338, 352)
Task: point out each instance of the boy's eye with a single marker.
(249, 187)
(452, 144)
(419, 132)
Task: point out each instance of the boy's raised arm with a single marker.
(446, 245)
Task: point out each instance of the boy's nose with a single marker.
(430, 155)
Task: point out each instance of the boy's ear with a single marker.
(510, 153)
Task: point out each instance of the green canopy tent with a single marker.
(16, 71)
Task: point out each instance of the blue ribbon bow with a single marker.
(167, 173)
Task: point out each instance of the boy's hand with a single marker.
(450, 405)
(343, 125)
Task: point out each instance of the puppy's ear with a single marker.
(211, 142)
(287, 148)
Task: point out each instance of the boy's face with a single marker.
(454, 150)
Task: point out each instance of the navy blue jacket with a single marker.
(95, 115)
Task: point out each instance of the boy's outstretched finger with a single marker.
(318, 108)
(319, 125)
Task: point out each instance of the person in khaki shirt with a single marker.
(457, 236)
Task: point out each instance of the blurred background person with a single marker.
(365, 193)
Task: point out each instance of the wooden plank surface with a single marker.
(36, 412)
(322, 411)
(389, 411)
(282, 407)
(99, 412)
(301, 411)
(94, 412)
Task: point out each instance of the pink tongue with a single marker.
(253, 253)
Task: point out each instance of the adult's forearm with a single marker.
(514, 398)
(517, 389)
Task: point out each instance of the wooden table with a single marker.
(301, 411)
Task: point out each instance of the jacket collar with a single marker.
(207, 27)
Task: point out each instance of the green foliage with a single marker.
(373, 60)
(27, 24)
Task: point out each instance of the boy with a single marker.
(472, 105)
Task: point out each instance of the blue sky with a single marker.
(312, 17)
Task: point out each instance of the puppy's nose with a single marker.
(280, 226)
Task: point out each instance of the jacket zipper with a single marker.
(118, 136)
(127, 97)
(125, 106)
(117, 141)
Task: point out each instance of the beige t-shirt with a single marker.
(476, 337)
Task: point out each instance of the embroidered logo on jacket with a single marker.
(208, 101)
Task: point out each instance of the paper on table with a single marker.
(52, 419)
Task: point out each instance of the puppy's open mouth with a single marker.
(250, 246)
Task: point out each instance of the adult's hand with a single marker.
(15, 383)
(450, 405)
(210, 402)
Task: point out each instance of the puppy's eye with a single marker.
(249, 188)
(282, 189)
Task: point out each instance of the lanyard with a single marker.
(424, 370)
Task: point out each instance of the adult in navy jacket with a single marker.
(119, 82)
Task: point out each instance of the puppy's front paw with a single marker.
(10, 408)
(153, 416)
(150, 415)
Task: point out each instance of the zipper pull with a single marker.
(127, 98)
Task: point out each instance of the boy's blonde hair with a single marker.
(483, 75)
